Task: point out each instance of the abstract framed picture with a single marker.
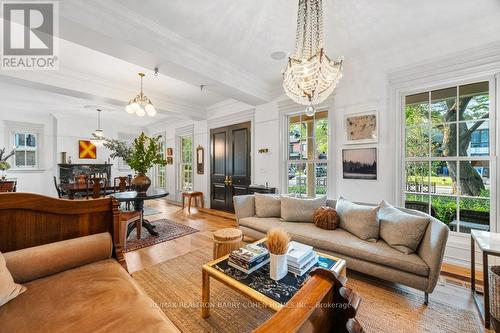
(86, 150)
(361, 128)
(360, 163)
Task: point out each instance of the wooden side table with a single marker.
(190, 195)
(226, 240)
(489, 244)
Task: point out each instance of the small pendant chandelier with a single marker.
(310, 75)
(98, 135)
(141, 104)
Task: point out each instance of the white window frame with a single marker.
(11, 129)
(181, 164)
(289, 108)
(471, 65)
(179, 133)
(157, 168)
(313, 161)
(492, 149)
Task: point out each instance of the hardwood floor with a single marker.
(450, 288)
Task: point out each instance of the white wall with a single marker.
(61, 134)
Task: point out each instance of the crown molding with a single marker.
(127, 30)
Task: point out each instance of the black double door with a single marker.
(230, 164)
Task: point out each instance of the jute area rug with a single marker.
(167, 230)
(175, 287)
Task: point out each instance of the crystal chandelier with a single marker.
(310, 75)
(141, 104)
(98, 135)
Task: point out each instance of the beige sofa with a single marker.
(419, 270)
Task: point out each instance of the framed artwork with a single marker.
(86, 150)
(360, 163)
(170, 151)
(170, 160)
(361, 128)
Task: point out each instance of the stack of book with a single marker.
(300, 258)
(249, 258)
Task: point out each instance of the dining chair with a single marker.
(121, 184)
(7, 186)
(96, 187)
(60, 192)
(81, 179)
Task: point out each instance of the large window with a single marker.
(447, 155)
(26, 144)
(307, 154)
(186, 163)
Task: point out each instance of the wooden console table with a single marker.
(489, 244)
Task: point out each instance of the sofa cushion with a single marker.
(267, 205)
(360, 220)
(343, 242)
(300, 209)
(98, 297)
(401, 230)
(8, 288)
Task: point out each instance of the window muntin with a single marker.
(307, 154)
(447, 155)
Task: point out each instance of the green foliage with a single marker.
(143, 154)
(4, 165)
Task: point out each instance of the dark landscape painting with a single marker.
(359, 163)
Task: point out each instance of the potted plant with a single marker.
(141, 155)
(4, 165)
(277, 245)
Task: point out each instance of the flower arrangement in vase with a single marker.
(277, 245)
(4, 165)
(141, 155)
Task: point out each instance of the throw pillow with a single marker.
(326, 218)
(267, 205)
(359, 220)
(401, 230)
(300, 210)
(8, 289)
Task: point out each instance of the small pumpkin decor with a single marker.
(326, 218)
(277, 244)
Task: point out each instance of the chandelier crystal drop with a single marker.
(98, 135)
(310, 75)
(141, 104)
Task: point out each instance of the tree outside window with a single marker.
(186, 163)
(447, 155)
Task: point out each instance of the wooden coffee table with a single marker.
(220, 271)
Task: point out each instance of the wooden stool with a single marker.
(190, 195)
(226, 240)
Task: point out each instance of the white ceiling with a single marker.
(226, 44)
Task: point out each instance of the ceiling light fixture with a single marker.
(141, 104)
(98, 135)
(310, 76)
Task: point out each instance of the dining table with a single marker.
(74, 188)
(138, 198)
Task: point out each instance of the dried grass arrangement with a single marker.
(277, 241)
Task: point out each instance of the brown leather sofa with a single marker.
(67, 253)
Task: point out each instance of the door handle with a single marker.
(226, 181)
(230, 181)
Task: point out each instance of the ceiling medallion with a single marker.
(141, 104)
(310, 75)
(98, 135)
